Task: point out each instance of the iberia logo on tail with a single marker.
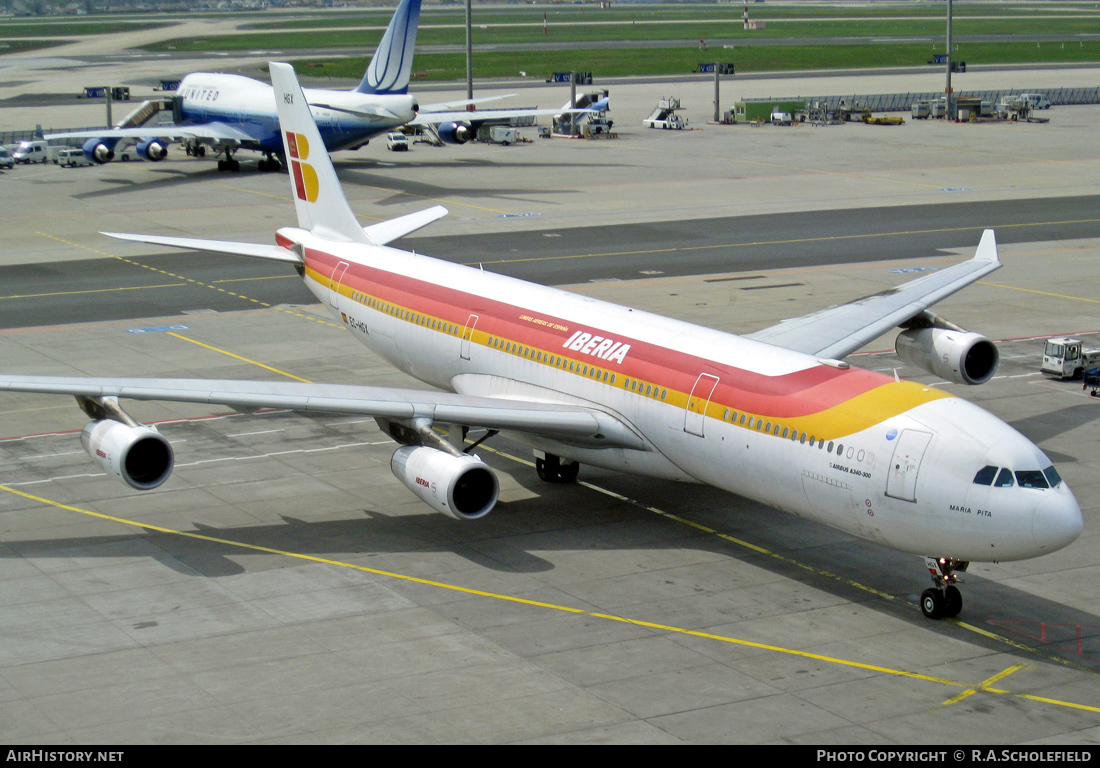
(305, 178)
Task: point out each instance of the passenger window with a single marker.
(743, 420)
(802, 440)
(830, 446)
(784, 432)
(985, 476)
(1004, 479)
(1031, 478)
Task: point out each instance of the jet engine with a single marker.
(456, 133)
(963, 357)
(462, 487)
(152, 150)
(138, 455)
(99, 150)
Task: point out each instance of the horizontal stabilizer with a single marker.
(388, 231)
(252, 250)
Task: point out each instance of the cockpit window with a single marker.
(1031, 478)
(1052, 476)
(1004, 480)
(985, 476)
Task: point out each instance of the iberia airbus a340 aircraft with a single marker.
(774, 416)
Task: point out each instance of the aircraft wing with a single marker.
(462, 103)
(210, 131)
(569, 423)
(838, 331)
(434, 118)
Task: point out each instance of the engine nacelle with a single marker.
(962, 357)
(99, 150)
(456, 133)
(152, 150)
(461, 487)
(139, 456)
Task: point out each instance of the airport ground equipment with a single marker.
(1091, 379)
(664, 115)
(870, 119)
(1067, 358)
(597, 101)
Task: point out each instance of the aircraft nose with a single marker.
(1056, 522)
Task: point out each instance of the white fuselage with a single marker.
(345, 119)
(893, 462)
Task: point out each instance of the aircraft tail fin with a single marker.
(391, 66)
(318, 197)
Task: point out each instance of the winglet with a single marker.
(987, 248)
(318, 198)
(391, 66)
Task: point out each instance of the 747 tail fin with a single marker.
(391, 66)
(318, 197)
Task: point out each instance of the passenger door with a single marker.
(901, 479)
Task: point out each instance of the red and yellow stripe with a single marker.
(821, 401)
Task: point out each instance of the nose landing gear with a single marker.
(944, 600)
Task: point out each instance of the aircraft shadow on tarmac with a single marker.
(166, 178)
(566, 518)
(403, 187)
(1049, 425)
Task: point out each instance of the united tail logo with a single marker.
(305, 178)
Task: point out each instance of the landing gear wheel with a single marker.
(932, 603)
(568, 473)
(952, 602)
(552, 470)
(549, 474)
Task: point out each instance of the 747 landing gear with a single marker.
(270, 163)
(553, 469)
(229, 163)
(944, 600)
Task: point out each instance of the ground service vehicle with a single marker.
(1067, 359)
(31, 152)
(72, 157)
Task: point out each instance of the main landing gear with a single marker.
(270, 163)
(554, 469)
(229, 164)
(944, 600)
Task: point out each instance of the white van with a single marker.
(32, 152)
(6, 162)
(397, 142)
(1036, 100)
(72, 157)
